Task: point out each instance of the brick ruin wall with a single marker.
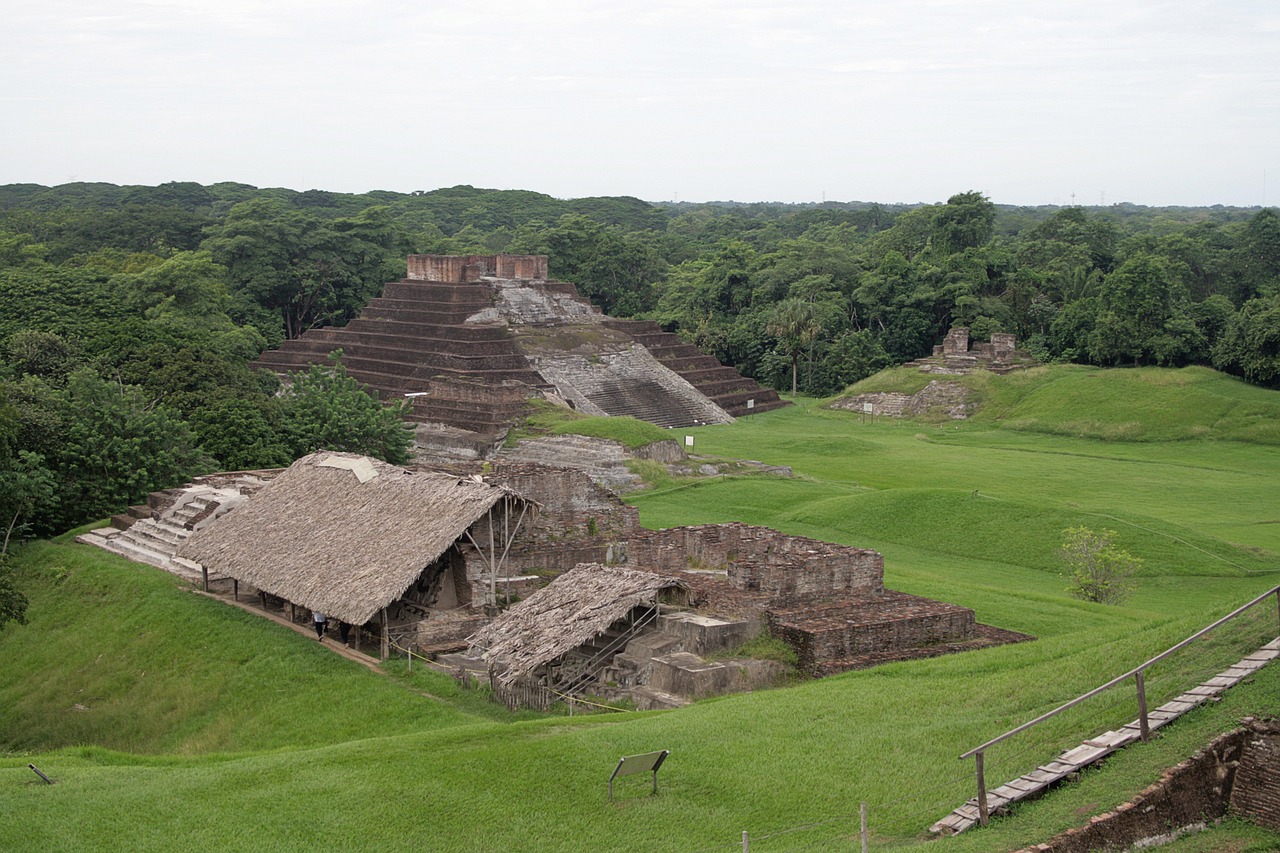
(1239, 773)
(822, 636)
(758, 559)
(955, 343)
(1255, 795)
(461, 269)
(1002, 346)
(577, 522)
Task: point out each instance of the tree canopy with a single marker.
(129, 315)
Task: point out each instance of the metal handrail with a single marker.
(1130, 674)
(1138, 674)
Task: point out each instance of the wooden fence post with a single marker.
(863, 810)
(1143, 724)
(983, 814)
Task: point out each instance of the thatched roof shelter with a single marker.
(344, 534)
(575, 607)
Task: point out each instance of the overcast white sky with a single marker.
(1149, 101)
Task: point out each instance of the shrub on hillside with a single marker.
(1099, 571)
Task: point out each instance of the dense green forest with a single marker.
(130, 314)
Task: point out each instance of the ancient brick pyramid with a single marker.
(469, 339)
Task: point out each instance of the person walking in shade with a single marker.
(319, 619)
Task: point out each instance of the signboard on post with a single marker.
(629, 765)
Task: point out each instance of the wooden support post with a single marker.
(235, 589)
(493, 565)
(983, 814)
(1144, 725)
(293, 612)
(204, 570)
(386, 641)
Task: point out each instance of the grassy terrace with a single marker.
(170, 720)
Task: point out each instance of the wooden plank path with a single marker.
(1097, 748)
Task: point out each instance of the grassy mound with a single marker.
(1143, 404)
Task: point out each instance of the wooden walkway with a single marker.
(1094, 750)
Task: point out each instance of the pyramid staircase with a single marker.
(445, 347)
(724, 386)
(414, 340)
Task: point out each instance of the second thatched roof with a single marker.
(575, 607)
(344, 534)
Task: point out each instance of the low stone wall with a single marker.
(685, 674)
(758, 559)
(1237, 773)
(894, 622)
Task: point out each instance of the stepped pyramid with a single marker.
(470, 338)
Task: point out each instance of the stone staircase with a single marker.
(724, 386)
(646, 400)
(452, 349)
(155, 538)
(415, 340)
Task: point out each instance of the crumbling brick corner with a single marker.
(462, 269)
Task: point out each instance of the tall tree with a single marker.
(966, 221)
(324, 408)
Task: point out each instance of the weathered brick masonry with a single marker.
(844, 631)
(758, 559)
(827, 601)
(1238, 773)
(452, 336)
(1256, 793)
(578, 522)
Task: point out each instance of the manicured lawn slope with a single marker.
(127, 658)
(226, 734)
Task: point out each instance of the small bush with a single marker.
(1099, 571)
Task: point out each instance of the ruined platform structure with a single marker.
(640, 624)
(469, 339)
(542, 564)
(958, 354)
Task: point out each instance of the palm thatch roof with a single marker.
(575, 607)
(344, 534)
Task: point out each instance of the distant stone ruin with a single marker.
(469, 339)
(957, 354)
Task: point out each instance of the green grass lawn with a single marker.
(205, 727)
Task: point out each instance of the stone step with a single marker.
(138, 553)
(650, 699)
